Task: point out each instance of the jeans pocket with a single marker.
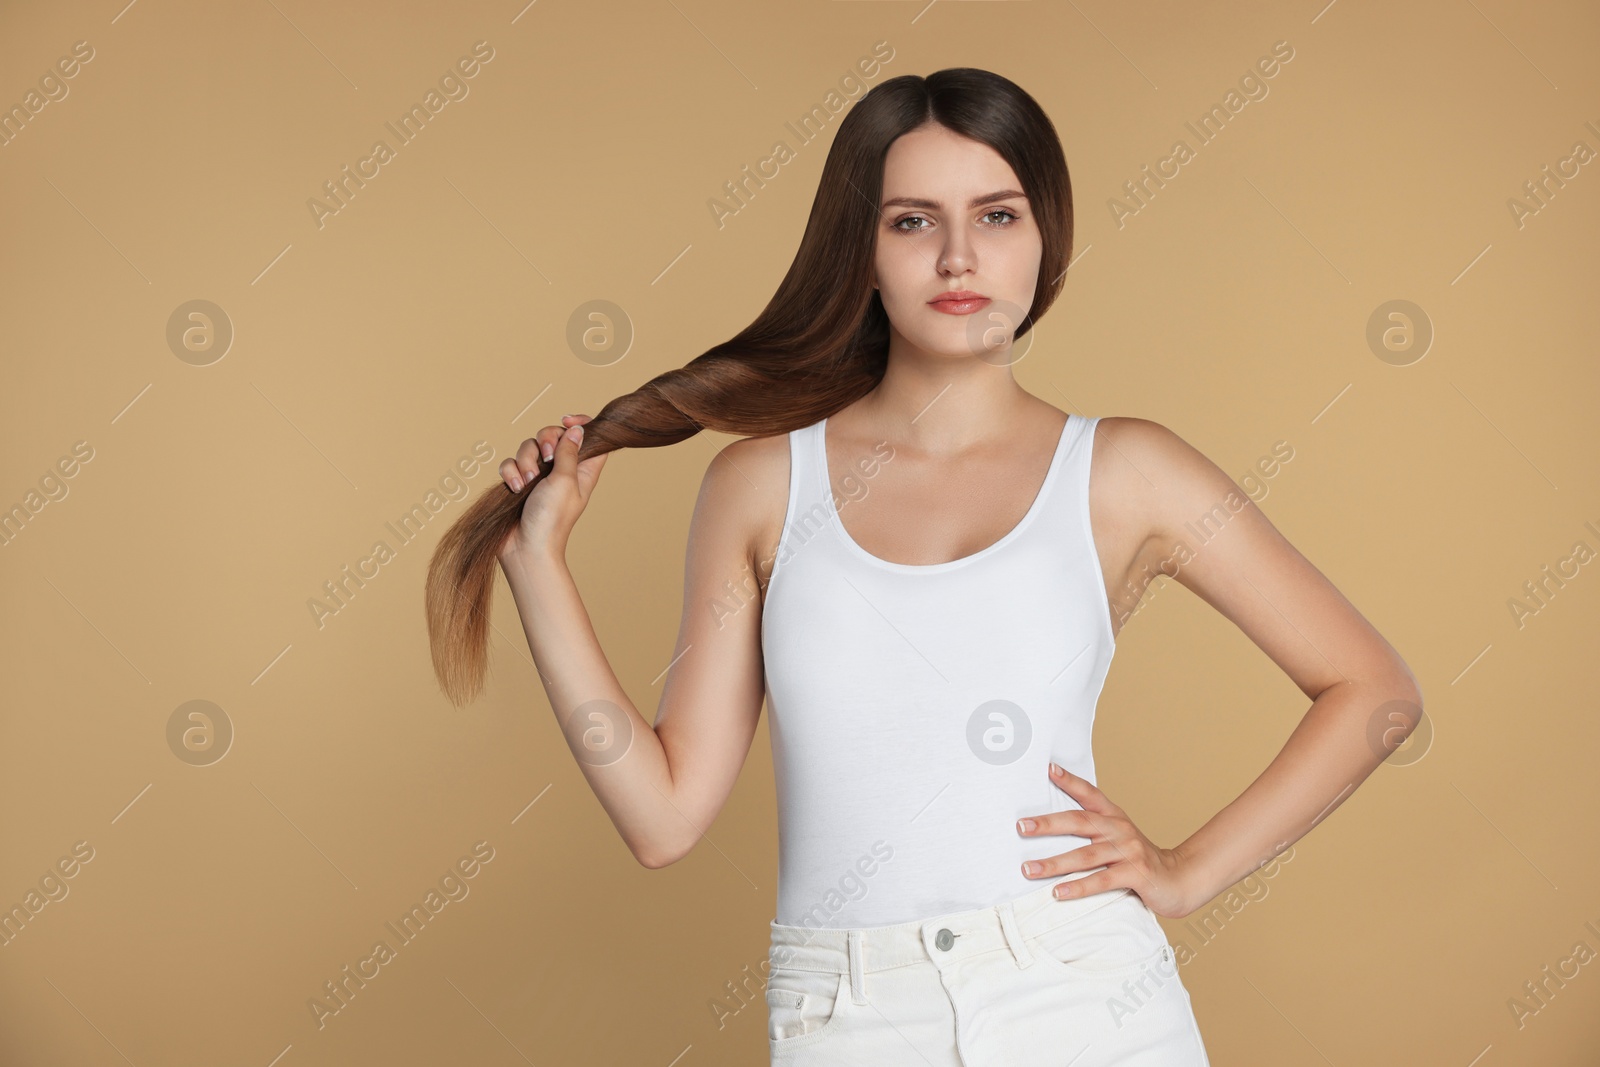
(803, 1007)
(1117, 940)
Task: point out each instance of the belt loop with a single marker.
(858, 992)
(1008, 926)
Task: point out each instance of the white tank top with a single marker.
(915, 708)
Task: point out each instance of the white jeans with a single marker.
(1087, 981)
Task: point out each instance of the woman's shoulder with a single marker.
(757, 458)
(745, 492)
(1147, 469)
(1134, 439)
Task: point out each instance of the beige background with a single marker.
(431, 313)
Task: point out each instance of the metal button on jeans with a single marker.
(944, 939)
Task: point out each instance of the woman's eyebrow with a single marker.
(934, 205)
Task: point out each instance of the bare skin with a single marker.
(971, 449)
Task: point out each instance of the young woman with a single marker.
(910, 559)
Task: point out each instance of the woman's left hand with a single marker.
(1130, 859)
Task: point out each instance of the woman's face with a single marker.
(953, 218)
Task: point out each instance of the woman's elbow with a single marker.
(656, 857)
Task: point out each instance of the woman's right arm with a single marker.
(662, 785)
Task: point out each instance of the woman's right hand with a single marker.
(550, 511)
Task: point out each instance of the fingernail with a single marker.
(1025, 825)
(1030, 868)
(516, 481)
(1055, 768)
(549, 450)
(576, 433)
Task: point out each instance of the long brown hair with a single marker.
(821, 343)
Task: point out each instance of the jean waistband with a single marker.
(862, 950)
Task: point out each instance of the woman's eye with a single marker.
(1009, 218)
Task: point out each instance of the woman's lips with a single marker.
(962, 306)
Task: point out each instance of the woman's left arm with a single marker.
(1365, 699)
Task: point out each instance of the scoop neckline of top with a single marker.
(1051, 473)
